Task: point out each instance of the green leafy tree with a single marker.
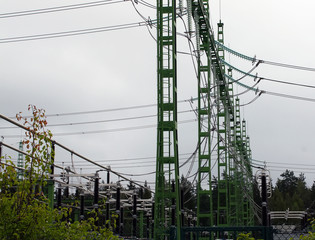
(290, 192)
(24, 209)
(288, 183)
(311, 234)
(146, 192)
(190, 200)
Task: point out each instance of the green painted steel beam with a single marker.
(223, 122)
(20, 162)
(205, 214)
(167, 199)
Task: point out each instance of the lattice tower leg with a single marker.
(167, 166)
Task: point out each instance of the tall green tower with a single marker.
(204, 186)
(167, 198)
(223, 120)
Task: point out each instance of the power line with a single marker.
(253, 100)
(265, 78)
(68, 150)
(75, 32)
(72, 33)
(58, 9)
(278, 170)
(289, 96)
(285, 65)
(254, 59)
(273, 93)
(100, 121)
(284, 163)
(147, 4)
(182, 160)
(104, 110)
(295, 168)
(105, 130)
(133, 159)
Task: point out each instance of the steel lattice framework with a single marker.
(167, 198)
(204, 187)
(234, 174)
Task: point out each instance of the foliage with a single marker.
(188, 194)
(311, 234)
(24, 208)
(146, 193)
(290, 192)
(245, 236)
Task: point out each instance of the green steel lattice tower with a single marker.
(204, 186)
(238, 173)
(167, 199)
(223, 120)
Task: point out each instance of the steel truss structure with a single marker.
(234, 174)
(167, 198)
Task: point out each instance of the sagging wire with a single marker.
(265, 78)
(248, 73)
(252, 88)
(254, 59)
(58, 9)
(253, 100)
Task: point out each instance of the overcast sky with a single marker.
(117, 69)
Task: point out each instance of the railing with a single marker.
(227, 233)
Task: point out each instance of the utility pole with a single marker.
(50, 182)
(264, 184)
(118, 210)
(134, 215)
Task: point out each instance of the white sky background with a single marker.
(117, 69)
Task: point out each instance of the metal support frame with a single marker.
(233, 155)
(204, 186)
(201, 18)
(167, 164)
(248, 177)
(239, 173)
(232, 163)
(223, 120)
(20, 162)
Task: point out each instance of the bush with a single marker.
(24, 209)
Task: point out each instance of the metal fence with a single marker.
(284, 232)
(276, 232)
(222, 233)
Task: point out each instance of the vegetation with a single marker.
(245, 236)
(291, 192)
(311, 234)
(24, 209)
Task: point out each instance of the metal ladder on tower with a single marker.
(204, 185)
(223, 120)
(167, 198)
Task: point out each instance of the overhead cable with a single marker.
(73, 152)
(273, 93)
(76, 32)
(58, 9)
(265, 78)
(100, 121)
(105, 130)
(253, 100)
(72, 33)
(105, 110)
(254, 59)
